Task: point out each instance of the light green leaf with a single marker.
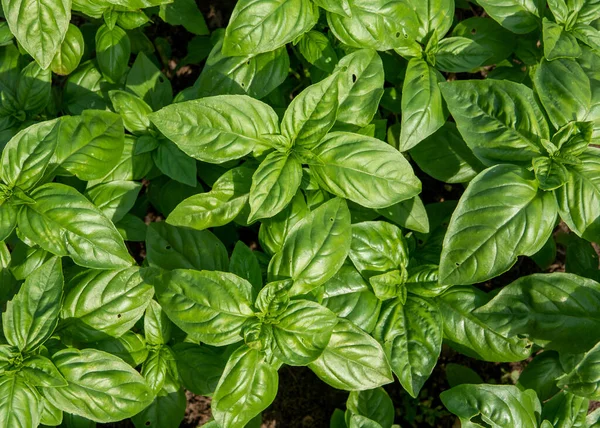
(316, 48)
(460, 54)
(130, 347)
(217, 129)
(132, 109)
(364, 170)
(40, 371)
(248, 385)
(65, 223)
(113, 49)
(410, 214)
(273, 231)
(499, 120)
(101, 387)
(186, 13)
(519, 16)
(116, 198)
(209, 306)
(245, 265)
(34, 88)
(541, 375)
(315, 248)
(20, 404)
(548, 309)
(147, 82)
(411, 334)
(256, 27)
(511, 217)
(559, 43)
(341, 7)
(69, 54)
(583, 380)
(157, 326)
(274, 184)
(374, 404)
(31, 316)
(200, 367)
(175, 164)
(353, 360)
(168, 408)
(566, 410)
(377, 247)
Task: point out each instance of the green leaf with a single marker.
(579, 199)
(256, 27)
(499, 120)
(20, 404)
(218, 207)
(302, 332)
(374, 404)
(559, 43)
(499, 42)
(51, 415)
(186, 13)
(89, 145)
(26, 156)
(364, 170)
(470, 336)
(169, 247)
(70, 52)
(132, 228)
(565, 100)
(158, 367)
(583, 380)
(31, 316)
(8, 219)
(550, 173)
(360, 87)
(541, 374)
(274, 184)
(353, 360)
(566, 410)
(168, 408)
(217, 129)
(423, 110)
(460, 375)
(376, 247)
(147, 82)
(341, 7)
(423, 281)
(536, 305)
(316, 48)
(273, 231)
(40, 371)
(248, 385)
(446, 157)
(82, 90)
(376, 24)
(200, 367)
(130, 166)
(253, 75)
(411, 334)
(460, 54)
(39, 26)
(519, 16)
(113, 50)
(348, 295)
(157, 327)
(130, 347)
(315, 248)
(115, 199)
(434, 16)
(511, 216)
(100, 304)
(175, 164)
(312, 113)
(34, 88)
(208, 306)
(245, 265)
(133, 110)
(101, 387)
(496, 405)
(65, 223)
(410, 214)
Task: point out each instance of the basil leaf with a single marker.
(374, 404)
(41, 29)
(311, 114)
(199, 367)
(248, 385)
(82, 90)
(499, 120)
(130, 347)
(209, 306)
(256, 27)
(113, 49)
(186, 13)
(377, 247)
(158, 367)
(274, 230)
(410, 214)
(89, 145)
(253, 75)
(70, 52)
(26, 156)
(541, 375)
(8, 219)
(316, 48)
(217, 129)
(536, 305)
(499, 42)
(360, 87)
(470, 336)
(423, 110)
(21, 404)
(175, 164)
(51, 415)
(115, 199)
(494, 404)
(40, 371)
(147, 82)
(364, 170)
(565, 100)
(583, 379)
(169, 247)
(31, 316)
(104, 303)
(550, 173)
(341, 7)
(376, 24)
(558, 43)
(460, 54)
(133, 110)
(130, 166)
(65, 223)
(352, 361)
(566, 409)
(274, 184)
(518, 16)
(315, 248)
(34, 88)
(302, 332)
(157, 327)
(101, 387)
(245, 265)
(434, 16)
(578, 198)
(500, 224)
(167, 408)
